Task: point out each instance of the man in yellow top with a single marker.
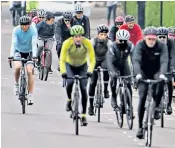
(31, 5)
(73, 61)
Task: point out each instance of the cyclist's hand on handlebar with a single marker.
(163, 77)
(114, 75)
(10, 59)
(64, 75)
(138, 77)
(35, 59)
(89, 74)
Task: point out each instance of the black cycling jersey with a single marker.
(112, 33)
(171, 53)
(117, 57)
(84, 22)
(150, 60)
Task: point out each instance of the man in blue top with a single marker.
(24, 39)
(46, 30)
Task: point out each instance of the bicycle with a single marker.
(125, 106)
(45, 60)
(99, 99)
(75, 101)
(23, 87)
(150, 105)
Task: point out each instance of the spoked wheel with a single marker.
(119, 109)
(128, 108)
(47, 64)
(162, 115)
(23, 105)
(76, 124)
(22, 94)
(41, 73)
(148, 136)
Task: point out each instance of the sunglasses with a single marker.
(164, 37)
(41, 17)
(67, 20)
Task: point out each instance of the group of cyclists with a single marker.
(151, 53)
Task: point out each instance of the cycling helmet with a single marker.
(41, 13)
(33, 13)
(67, 15)
(24, 20)
(129, 18)
(122, 34)
(78, 8)
(119, 19)
(150, 30)
(171, 30)
(77, 30)
(102, 29)
(49, 15)
(162, 31)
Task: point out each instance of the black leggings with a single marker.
(72, 71)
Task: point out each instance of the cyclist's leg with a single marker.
(50, 45)
(17, 65)
(170, 94)
(40, 47)
(109, 9)
(58, 49)
(30, 74)
(105, 79)
(142, 89)
(113, 84)
(70, 72)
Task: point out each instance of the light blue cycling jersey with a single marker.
(24, 42)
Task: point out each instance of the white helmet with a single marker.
(41, 13)
(122, 35)
(78, 8)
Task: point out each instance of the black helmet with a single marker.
(129, 18)
(33, 13)
(102, 28)
(67, 15)
(162, 31)
(150, 30)
(49, 15)
(24, 20)
(171, 30)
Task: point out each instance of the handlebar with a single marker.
(149, 81)
(46, 39)
(125, 77)
(99, 69)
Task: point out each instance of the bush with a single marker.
(131, 8)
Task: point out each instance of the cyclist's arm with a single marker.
(110, 57)
(137, 58)
(63, 56)
(112, 34)
(14, 42)
(163, 59)
(34, 42)
(91, 56)
(172, 52)
(58, 32)
(88, 28)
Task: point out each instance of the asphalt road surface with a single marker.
(47, 124)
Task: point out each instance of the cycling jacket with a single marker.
(62, 32)
(171, 53)
(24, 42)
(45, 30)
(117, 57)
(84, 21)
(31, 5)
(135, 33)
(112, 33)
(35, 20)
(150, 60)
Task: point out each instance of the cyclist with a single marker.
(162, 35)
(171, 33)
(23, 45)
(118, 22)
(150, 61)
(73, 61)
(41, 14)
(15, 5)
(46, 30)
(101, 44)
(33, 13)
(62, 31)
(117, 61)
(133, 28)
(82, 20)
(31, 5)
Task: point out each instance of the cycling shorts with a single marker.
(25, 56)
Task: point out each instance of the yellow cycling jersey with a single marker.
(77, 56)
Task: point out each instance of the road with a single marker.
(47, 124)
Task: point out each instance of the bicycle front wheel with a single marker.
(128, 108)
(47, 64)
(76, 124)
(118, 110)
(22, 94)
(162, 115)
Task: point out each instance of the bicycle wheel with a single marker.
(99, 100)
(47, 64)
(22, 93)
(128, 108)
(76, 123)
(75, 110)
(118, 110)
(162, 115)
(41, 68)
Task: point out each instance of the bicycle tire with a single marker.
(76, 124)
(99, 100)
(41, 73)
(162, 115)
(22, 94)
(47, 65)
(118, 111)
(129, 113)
